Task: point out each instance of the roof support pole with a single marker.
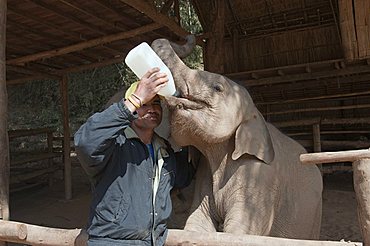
(67, 139)
(361, 179)
(316, 136)
(4, 141)
(215, 49)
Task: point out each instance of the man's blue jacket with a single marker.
(131, 201)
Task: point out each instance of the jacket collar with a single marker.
(158, 142)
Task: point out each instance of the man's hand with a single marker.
(150, 84)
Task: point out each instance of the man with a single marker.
(133, 169)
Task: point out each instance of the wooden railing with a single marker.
(26, 166)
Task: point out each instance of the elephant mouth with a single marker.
(185, 102)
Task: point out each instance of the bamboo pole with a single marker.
(316, 140)
(179, 237)
(361, 180)
(347, 27)
(362, 18)
(215, 48)
(66, 142)
(331, 157)
(38, 235)
(16, 232)
(4, 141)
(84, 45)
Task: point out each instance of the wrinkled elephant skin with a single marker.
(250, 180)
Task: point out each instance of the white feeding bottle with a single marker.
(142, 58)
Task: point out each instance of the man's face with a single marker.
(149, 115)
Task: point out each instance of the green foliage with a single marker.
(38, 104)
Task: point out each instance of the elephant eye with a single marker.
(218, 88)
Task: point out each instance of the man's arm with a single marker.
(95, 139)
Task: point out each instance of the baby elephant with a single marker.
(250, 179)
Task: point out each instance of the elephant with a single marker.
(249, 179)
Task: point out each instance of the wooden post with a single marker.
(66, 137)
(347, 28)
(23, 233)
(4, 141)
(215, 47)
(361, 179)
(50, 161)
(317, 140)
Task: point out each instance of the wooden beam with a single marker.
(4, 141)
(328, 133)
(348, 29)
(361, 180)
(284, 68)
(83, 45)
(30, 78)
(335, 144)
(306, 76)
(362, 27)
(353, 94)
(157, 17)
(307, 122)
(28, 71)
(215, 48)
(66, 142)
(44, 23)
(65, 71)
(22, 233)
(318, 109)
(73, 4)
(66, 33)
(68, 16)
(332, 157)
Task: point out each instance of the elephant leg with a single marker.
(251, 209)
(201, 218)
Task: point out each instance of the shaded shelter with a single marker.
(305, 63)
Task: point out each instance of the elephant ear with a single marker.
(252, 137)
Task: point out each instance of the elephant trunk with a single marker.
(184, 50)
(170, 53)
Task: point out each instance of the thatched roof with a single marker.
(304, 62)
(48, 38)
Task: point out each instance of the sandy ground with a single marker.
(46, 206)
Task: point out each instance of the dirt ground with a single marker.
(46, 206)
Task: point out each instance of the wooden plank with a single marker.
(353, 94)
(362, 18)
(361, 180)
(84, 45)
(305, 76)
(29, 132)
(31, 174)
(332, 157)
(215, 47)
(331, 121)
(347, 27)
(318, 109)
(16, 232)
(4, 142)
(333, 145)
(66, 134)
(68, 16)
(157, 17)
(35, 157)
